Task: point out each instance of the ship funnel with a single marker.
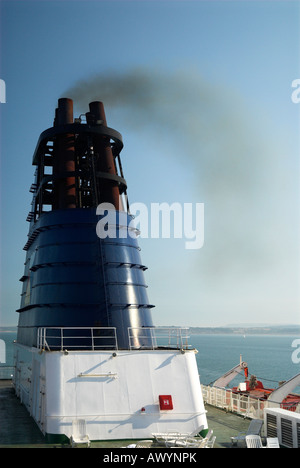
(73, 276)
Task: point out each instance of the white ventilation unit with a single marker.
(283, 424)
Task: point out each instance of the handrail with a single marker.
(107, 374)
(158, 337)
(96, 338)
(79, 338)
(250, 406)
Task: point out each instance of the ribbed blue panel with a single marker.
(73, 278)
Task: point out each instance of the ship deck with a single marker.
(18, 429)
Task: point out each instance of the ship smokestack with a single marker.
(64, 193)
(87, 349)
(105, 160)
(73, 278)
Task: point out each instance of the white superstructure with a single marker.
(120, 394)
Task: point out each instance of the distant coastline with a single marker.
(247, 330)
(8, 329)
(228, 330)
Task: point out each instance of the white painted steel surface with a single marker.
(116, 393)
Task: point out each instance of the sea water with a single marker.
(271, 358)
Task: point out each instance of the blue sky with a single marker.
(209, 120)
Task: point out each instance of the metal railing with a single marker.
(158, 337)
(71, 338)
(97, 338)
(240, 403)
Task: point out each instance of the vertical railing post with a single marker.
(116, 338)
(153, 339)
(128, 330)
(92, 336)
